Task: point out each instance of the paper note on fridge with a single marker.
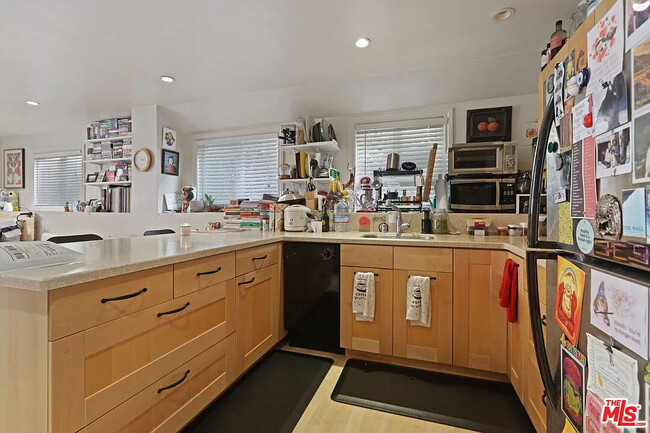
(620, 308)
(606, 47)
(580, 110)
(24, 255)
(611, 375)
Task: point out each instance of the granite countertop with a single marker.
(114, 257)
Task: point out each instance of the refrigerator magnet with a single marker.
(585, 236)
(568, 298)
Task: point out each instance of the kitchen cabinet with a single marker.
(253, 259)
(518, 332)
(433, 344)
(368, 256)
(198, 274)
(258, 295)
(480, 326)
(375, 336)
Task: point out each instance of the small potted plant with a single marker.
(209, 201)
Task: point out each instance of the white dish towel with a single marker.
(418, 301)
(363, 296)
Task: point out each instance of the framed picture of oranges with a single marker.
(489, 124)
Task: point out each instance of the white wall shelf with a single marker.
(321, 146)
(125, 182)
(316, 180)
(99, 140)
(106, 161)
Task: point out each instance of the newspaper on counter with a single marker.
(36, 254)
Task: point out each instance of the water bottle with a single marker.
(342, 217)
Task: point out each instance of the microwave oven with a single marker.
(497, 158)
(483, 194)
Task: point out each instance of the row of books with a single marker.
(231, 217)
(110, 149)
(116, 199)
(109, 128)
(249, 215)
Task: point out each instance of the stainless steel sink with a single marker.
(405, 236)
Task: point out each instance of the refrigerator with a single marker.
(624, 258)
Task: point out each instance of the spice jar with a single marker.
(439, 222)
(514, 230)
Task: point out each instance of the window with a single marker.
(411, 139)
(58, 178)
(237, 167)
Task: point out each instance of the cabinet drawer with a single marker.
(168, 404)
(116, 360)
(424, 259)
(201, 273)
(253, 259)
(79, 307)
(370, 256)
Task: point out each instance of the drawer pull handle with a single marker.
(123, 297)
(198, 274)
(544, 320)
(175, 384)
(177, 310)
(260, 258)
(544, 399)
(246, 282)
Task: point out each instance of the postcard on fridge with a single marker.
(620, 308)
(611, 374)
(606, 47)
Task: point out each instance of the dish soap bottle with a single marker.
(342, 217)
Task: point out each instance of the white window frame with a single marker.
(63, 153)
(225, 134)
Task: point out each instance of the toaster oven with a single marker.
(497, 158)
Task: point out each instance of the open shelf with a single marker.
(106, 161)
(121, 182)
(99, 140)
(320, 146)
(316, 180)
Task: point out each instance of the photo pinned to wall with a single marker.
(641, 149)
(620, 308)
(614, 152)
(568, 298)
(641, 76)
(14, 168)
(572, 364)
(170, 161)
(169, 138)
(610, 105)
(637, 26)
(606, 47)
(634, 212)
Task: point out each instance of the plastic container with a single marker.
(514, 230)
(185, 229)
(524, 229)
(342, 217)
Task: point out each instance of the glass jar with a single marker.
(439, 222)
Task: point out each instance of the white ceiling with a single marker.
(88, 59)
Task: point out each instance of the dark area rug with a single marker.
(473, 404)
(271, 397)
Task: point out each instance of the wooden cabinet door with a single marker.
(417, 342)
(480, 326)
(375, 336)
(533, 385)
(518, 332)
(257, 315)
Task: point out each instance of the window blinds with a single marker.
(58, 178)
(412, 140)
(237, 167)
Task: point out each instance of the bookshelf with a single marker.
(287, 155)
(107, 173)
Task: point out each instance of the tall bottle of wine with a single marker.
(558, 38)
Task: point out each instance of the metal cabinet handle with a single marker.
(544, 397)
(123, 297)
(261, 258)
(246, 282)
(175, 384)
(544, 320)
(198, 274)
(177, 310)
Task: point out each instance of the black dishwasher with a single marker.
(311, 295)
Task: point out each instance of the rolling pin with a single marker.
(429, 178)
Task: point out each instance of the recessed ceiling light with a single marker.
(640, 6)
(362, 42)
(167, 79)
(503, 14)
(33, 103)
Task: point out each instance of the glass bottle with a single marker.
(557, 38)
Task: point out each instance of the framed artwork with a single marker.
(14, 168)
(169, 138)
(170, 160)
(489, 124)
(91, 177)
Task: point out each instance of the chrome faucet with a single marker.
(400, 226)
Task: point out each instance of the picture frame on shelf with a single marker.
(101, 177)
(489, 124)
(169, 162)
(91, 177)
(14, 168)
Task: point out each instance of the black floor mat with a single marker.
(473, 404)
(271, 397)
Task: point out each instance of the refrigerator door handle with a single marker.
(539, 160)
(537, 322)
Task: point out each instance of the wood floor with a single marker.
(325, 415)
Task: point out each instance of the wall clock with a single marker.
(142, 159)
